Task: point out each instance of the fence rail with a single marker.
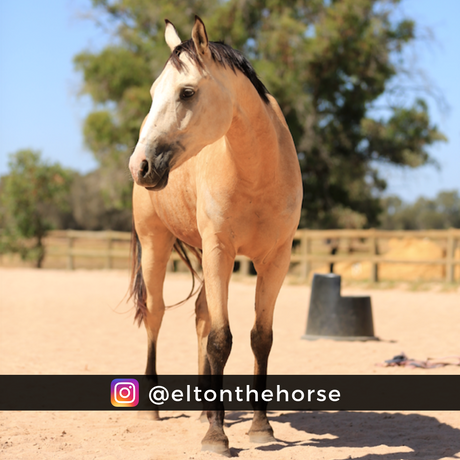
(448, 238)
(311, 247)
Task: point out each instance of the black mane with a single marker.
(225, 56)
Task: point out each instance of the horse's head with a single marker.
(192, 106)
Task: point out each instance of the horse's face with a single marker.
(191, 108)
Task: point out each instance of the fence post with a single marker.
(450, 254)
(108, 260)
(374, 253)
(305, 251)
(70, 241)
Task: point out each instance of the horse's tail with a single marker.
(138, 290)
(181, 248)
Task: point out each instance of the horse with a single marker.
(215, 169)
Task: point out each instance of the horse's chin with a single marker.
(159, 185)
(155, 188)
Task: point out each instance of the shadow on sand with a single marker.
(425, 435)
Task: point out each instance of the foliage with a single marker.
(439, 213)
(29, 193)
(326, 62)
(91, 210)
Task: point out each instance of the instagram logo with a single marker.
(124, 392)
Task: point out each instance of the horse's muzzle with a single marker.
(150, 167)
(152, 178)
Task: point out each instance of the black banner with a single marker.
(235, 392)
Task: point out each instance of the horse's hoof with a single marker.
(216, 442)
(149, 415)
(261, 437)
(220, 449)
(203, 418)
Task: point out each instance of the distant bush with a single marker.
(31, 193)
(439, 213)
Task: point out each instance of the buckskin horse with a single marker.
(215, 169)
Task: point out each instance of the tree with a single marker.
(326, 62)
(441, 212)
(29, 194)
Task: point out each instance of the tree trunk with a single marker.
(40, 252)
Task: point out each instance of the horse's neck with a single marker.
(253, 137)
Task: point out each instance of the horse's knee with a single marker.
(261, 342)
(219, 347)
(153, 318)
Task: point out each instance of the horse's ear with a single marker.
(200, 38)
(171, 36)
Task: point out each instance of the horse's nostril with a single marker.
(144, 168)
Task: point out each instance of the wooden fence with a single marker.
(365, 246)
(326, 249)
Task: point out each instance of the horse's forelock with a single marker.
(188, 48)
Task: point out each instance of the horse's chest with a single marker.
(178, 213)
(238, 216)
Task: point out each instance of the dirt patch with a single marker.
(62, 322)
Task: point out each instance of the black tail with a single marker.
(138, 291)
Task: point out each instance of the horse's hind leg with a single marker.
(203, 326)
(270, 276)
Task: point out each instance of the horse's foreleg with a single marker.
(217, 269)
(270, 276)
(156, 250)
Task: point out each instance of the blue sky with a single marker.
(40, 107)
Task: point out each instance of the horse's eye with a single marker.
(187, 93)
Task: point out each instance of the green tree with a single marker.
(29, 194)
(326, 62)
(442, 212)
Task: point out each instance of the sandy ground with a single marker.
(60, 322)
